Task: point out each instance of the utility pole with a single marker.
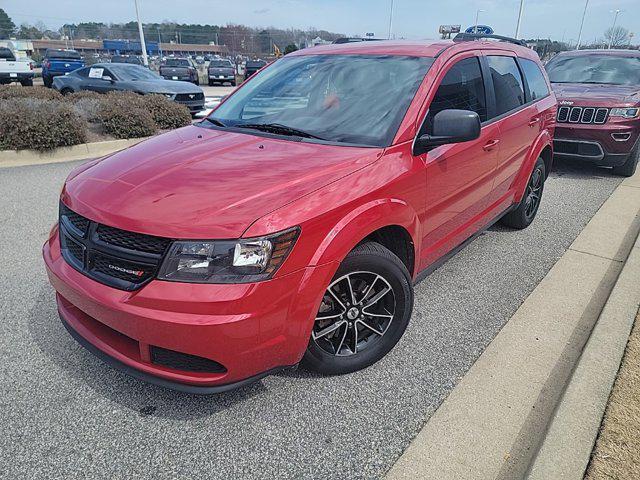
(584, 14)
(613, 27)
(475, 25)
(519, 19)
(390, 20)
(159, 43)
(143, 45)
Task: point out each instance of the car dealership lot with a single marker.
(66, 414)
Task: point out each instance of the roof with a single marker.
(618, 52)
(424, 48)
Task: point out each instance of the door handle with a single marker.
(490, 144)
(533, 122)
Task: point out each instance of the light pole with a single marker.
(584, 14)
(613, 27)
(475, 25)
(143, 45)
(390, 20)
(519, 19)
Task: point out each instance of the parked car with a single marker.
(182, 69)
(12, 70)
(252, 66)
(221, 71)
(131, 59)
(598, 95)
(59, 62)
(107, 77)
(282, 230)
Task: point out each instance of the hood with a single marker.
(205, 184)
(587, 94)
(167, 86)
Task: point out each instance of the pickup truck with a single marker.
(12, 70)
(180, 69)
(59, 62)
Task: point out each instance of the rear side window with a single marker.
(461, 88)
(537, 84)
(507, 83)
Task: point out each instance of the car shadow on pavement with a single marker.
(79, 369)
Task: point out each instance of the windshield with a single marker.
(609, 69)
(220, 63)
(177, 62)
(340, 98)
(129, 73)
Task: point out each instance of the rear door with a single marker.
(459, 176)
(516, 118)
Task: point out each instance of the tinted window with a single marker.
(131, 73)
(177, 62)
(6, 54)
(63, 54)
(461, 88)
(221, 64)
(507, 83)
(341, 98)
(594, 68)
(537, 84)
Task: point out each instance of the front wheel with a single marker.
(363, 313)
(628, 168)
(526, 211)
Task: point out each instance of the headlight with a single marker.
(169, 96)
(624, 112)
(227, 261)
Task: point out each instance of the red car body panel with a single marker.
(607, 96)
(196, 183)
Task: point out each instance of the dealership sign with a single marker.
(483, 29)
(446, 29)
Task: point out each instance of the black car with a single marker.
(221, 71)
(253, 66)
(106, 77)
(180, 69)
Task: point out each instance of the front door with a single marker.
(459, 176)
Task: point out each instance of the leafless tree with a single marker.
(618, 36)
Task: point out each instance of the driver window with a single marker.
(461, 88)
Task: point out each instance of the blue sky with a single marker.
(413, 19)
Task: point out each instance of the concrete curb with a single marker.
(579, 414)
(494, 422)
(20, 158)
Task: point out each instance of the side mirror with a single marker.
(449, 126)
(107, 78)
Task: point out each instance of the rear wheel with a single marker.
(522, 216)
(48, 81)
(27, 82)
(628, 168)
(233, 84)
(364, 312)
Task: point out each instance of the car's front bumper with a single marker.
(606, 144)
(248, 329)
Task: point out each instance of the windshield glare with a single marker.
(607, 69)
(133, 72)
(340, 98)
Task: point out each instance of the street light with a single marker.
(613, 27)
(143, 45)
(519, 19)
(584, 13)
(475, 25)
(390, 20)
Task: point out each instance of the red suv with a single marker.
(291, 224)
(598, 95)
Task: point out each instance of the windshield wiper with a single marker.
(215, 121)
(279, 129)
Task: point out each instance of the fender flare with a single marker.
(542, 141)
(362, 222)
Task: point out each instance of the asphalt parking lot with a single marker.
(67, 415)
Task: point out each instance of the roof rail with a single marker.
(467, 37)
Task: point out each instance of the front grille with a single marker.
(131, 240)
(187, 97)
(184, 361)
(582, 115)
(578, 148)
(118, 258)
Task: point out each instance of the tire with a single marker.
(628, 168)
(374, 273)
(66, 91)
(48, 81)
(27, 82)
(233, 84)
(526, 211)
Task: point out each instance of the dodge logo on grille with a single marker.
(137, 273)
